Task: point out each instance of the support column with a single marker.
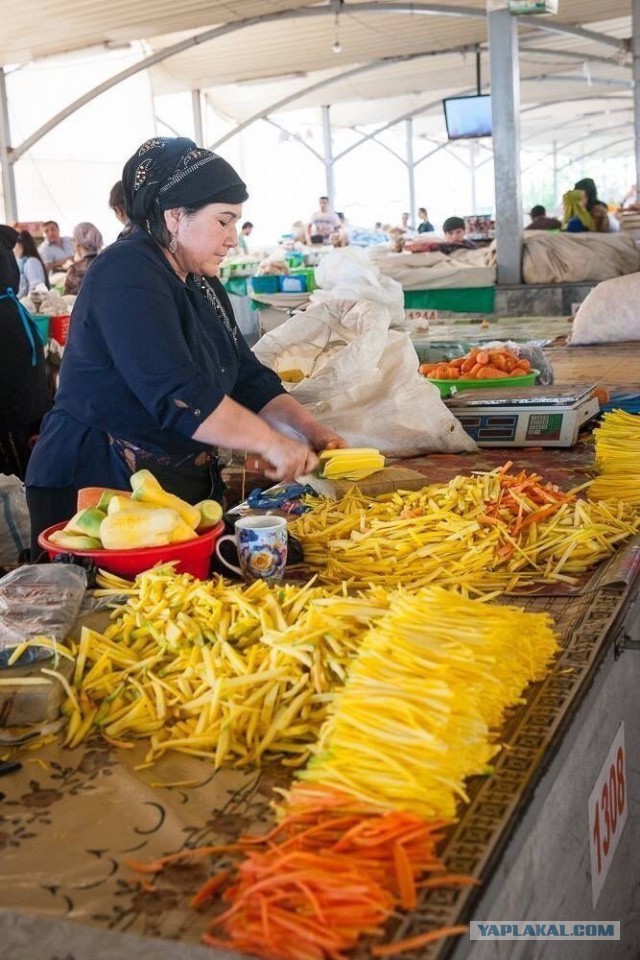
(635, 30)
(505, 107)
(555, 172)
(328, 153)
(6, 163)
(473, 147)
(411, 170)
(196, 106)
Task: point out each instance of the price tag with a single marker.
(608, 806)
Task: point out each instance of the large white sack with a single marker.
(610, 313)
(362, 379)
(348, 273)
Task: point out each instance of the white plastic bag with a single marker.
(362, 380)
(526, 351)
(609, 314)
(348, 274)
(15, 526)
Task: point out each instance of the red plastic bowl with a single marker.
(192, 556)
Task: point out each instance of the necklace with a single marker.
(214, 301)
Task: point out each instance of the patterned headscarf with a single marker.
(168, 172)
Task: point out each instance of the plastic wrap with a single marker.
(39, 600)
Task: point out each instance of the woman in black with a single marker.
(24, 392)
(156, 373)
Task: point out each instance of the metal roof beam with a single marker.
(606, 146)
(336, 78)
(375, 7)
(547, 26)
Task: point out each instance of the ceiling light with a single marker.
(337, 46)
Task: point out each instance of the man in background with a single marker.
(540, 220)
(424, 225)
(243, 237)
(453, 229)
(323, 223)
(54, 249)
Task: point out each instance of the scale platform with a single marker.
(525, 416)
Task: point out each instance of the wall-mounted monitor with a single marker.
(468, 117)
(525, 7)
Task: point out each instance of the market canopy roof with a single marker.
(396, 58)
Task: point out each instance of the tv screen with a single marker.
(468, 116)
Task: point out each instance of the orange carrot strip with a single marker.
(208, 889)
(404, 875)
(411, 943)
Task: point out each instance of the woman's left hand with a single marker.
(321, 438)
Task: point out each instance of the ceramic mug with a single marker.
(262, 548)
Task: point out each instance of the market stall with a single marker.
(85, 823)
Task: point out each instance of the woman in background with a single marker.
(32, 269)
(87, 241)
(24, 393)
(595, 207)
(576, 218)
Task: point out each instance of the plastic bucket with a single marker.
(191, 556)
(41, 323)
(268, 284)
(59, 328)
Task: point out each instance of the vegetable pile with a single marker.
(617, 458)
(495, 531)
(148, 517)
(479, 364)
(357, 837)
(212, 669)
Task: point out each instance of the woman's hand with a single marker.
(321, 438)
(288, 458)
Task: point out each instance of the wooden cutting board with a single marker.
(36, 701)
(382, 481)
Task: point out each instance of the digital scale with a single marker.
(525, 416)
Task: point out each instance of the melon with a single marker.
(91, 496)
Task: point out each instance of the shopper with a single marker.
(576, 218)
(155, 372)
(596, 207)
(55, 249)
(322, 223)
(24, 393)
(32, 270)
(116, 202)
(540, 220)
(424, 225)
(243, 237)
(87, 244)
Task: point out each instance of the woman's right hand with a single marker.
(288, 458)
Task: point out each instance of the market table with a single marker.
(72, 819)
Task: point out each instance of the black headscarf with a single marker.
(9, 269)
(168, 172)
(589, 187)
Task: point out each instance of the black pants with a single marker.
(49, 505)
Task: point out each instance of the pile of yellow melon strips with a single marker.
(480, 534)
(618, 458)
